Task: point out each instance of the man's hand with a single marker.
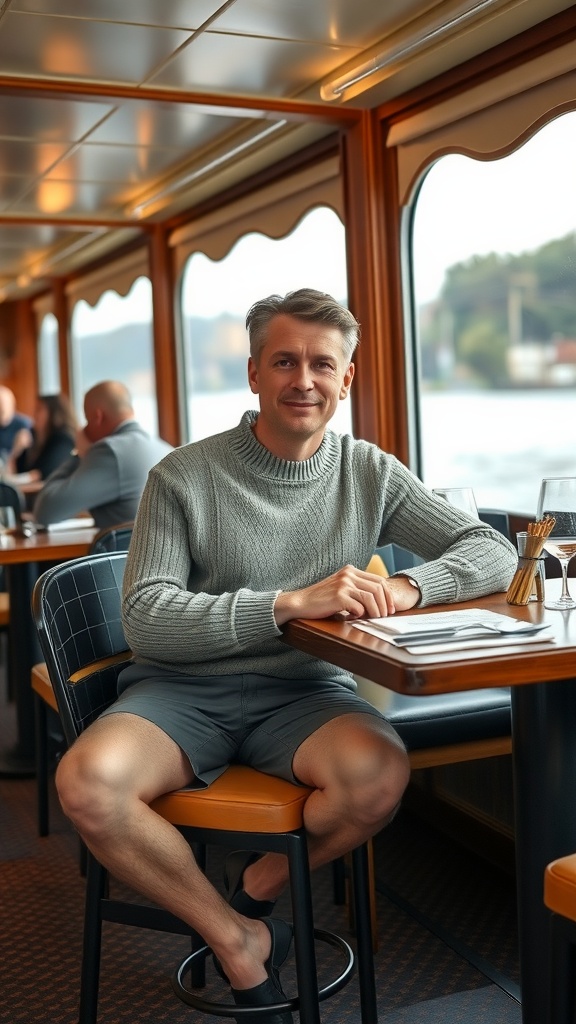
(22, 440)
(349, 593)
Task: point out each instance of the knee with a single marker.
(378, 775)
(88, 785)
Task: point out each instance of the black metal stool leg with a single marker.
(41, 723)
(362, 912)
(301, 892)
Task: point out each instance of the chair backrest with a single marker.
(496, 518)
(112, 538)
(13, 498)
(397, 559)
(77, 611)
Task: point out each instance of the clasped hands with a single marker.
(349, 593)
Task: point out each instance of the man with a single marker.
(235, 535)
(107, 473)
(15, 430)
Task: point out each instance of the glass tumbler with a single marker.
(539, 576)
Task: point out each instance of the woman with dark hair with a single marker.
(53, 441)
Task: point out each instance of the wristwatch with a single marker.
(412, 583)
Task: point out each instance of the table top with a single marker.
(46, 546)
(419, 674)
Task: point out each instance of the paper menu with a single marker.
(431, 632)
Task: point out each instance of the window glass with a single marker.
(48, 356)
(494, 273)
(216, 296)
(113, 341)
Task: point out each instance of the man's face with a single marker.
(94, 428)
(300, 376)
(7, 406)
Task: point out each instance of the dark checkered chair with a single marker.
(77, 613)
(109, 538)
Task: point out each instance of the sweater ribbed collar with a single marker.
(263, 463)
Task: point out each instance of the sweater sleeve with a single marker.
(79, 485)
(165, 619)
(464, 558)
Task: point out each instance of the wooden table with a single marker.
(25, 558)
(543, 681)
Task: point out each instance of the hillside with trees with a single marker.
(492, 306)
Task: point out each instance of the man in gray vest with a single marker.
(107, 473)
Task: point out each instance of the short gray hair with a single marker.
(304, 304)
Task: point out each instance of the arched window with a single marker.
(494, 276)
(113, 341)
(216, 295)
(48, 356)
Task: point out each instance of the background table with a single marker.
(24, 558)
(542, 678)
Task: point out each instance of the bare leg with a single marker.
(105, 783)
(359, 770)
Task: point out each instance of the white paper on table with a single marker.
(71, 524)
(458, 644)
(459, 618)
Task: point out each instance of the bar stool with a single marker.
(76, 609)
(560, 898)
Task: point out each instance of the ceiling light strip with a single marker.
(334, 89)
(187, 178)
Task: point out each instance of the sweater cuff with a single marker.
(437, 584)
(254, 616)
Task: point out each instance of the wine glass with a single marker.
(558, 498)
(7, 520)
(460, 497)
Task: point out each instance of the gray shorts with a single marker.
(249, 719)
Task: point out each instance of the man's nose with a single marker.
(303, 378)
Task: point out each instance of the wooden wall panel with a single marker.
(165, 351)
(373, 256)
(18, 364)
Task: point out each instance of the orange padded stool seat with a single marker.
(247, 800)
(560, 898)
(4, 609)
(42, 686)
(560, 886)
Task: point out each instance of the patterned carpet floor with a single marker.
(446, 923)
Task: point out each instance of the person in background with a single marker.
(13, 425)
(53, 440)
(107, 472)
(236, 535)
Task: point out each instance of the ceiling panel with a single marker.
(131, 164)
(32, 44)
(172, 13)
(27, 117)
(71, 199)
(27, 158)
(247, 65)
(137, 122)
(339, 21)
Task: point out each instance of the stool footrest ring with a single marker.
(231, 1010)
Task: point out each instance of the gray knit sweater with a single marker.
(224, 525)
